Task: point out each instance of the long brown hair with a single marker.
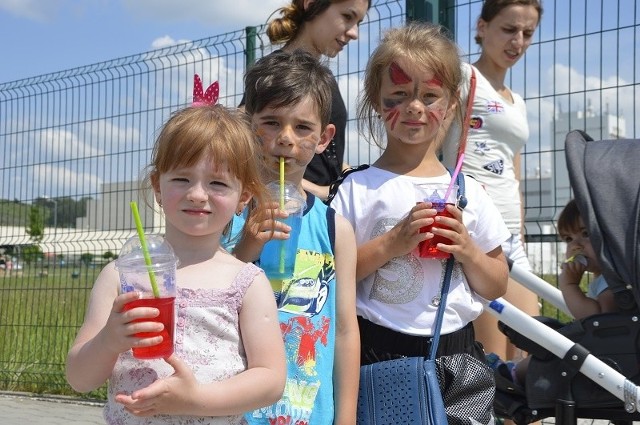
(293, 17)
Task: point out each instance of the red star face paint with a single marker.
(398, 75)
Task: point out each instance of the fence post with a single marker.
(250, 51)
(437, 11)
(419, 10)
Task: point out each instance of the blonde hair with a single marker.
(211, 131)
(425, 45)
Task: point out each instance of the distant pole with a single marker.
(436, 11)
(250, 49)
(55, 215)
(419, 10)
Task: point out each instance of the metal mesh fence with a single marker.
(73, 145)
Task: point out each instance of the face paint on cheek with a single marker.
(397, 74)
(309, 143)
(390, 109)
(436, 113)
(435, 81)
(259, 134)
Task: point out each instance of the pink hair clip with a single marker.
(202, 98)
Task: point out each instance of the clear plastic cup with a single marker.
(135, 276)
(278, 257)
(435, 193)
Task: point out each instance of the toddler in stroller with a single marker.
(588, 368)
(580, 258)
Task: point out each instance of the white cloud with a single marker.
(46, 10)
(60, 144)
(35, 10)
(65, 181)
(213, 12)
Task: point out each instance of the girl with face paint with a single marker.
(497, 134)
(410, 89)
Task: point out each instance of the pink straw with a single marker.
(454, 176)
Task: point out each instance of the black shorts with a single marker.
(378, 343)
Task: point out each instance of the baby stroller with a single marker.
(588, 368)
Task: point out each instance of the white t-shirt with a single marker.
(399, 295)
(497, 131)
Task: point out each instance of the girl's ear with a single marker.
(155, 184)
(325, 138)
(480, 28)
(245, 198)
(307, 3)
(453, 106)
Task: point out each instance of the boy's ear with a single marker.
(326, 137)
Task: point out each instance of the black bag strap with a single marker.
(444, 290)
(333, 187)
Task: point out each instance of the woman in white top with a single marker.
(498, 131)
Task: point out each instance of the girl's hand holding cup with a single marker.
(120, 329)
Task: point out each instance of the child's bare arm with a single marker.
(106, 332)
(578, 303)
(347, 348)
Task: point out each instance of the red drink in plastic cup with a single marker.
(155, 281)
(166, 317)
(427, 249)
(439, 195)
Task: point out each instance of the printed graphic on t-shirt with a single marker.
(400, 280)
(496, 167)
(495, 107)
(475, 123)
(305, 330)
(306, 292)
(481, 148)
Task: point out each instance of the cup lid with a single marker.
(293, 198)
(159, 249)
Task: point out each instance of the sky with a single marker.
(575, 63)
(45, 36)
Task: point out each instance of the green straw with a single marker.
(145, 249)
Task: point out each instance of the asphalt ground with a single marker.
(20, 409)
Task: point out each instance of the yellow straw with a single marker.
(282, 252)
(282, 183)
(145, 249)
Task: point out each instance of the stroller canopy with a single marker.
(605, 178)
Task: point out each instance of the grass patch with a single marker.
(39, 319)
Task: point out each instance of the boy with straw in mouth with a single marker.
(288, 97)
